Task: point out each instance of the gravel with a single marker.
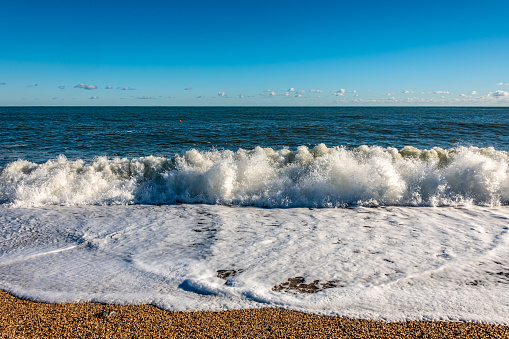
(26, 319)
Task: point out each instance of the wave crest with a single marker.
(317, 177)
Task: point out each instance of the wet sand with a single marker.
(25, 319)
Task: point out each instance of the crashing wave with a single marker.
(317, 177)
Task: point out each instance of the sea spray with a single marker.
(317, 177)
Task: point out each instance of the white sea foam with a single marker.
(318, 177)
(386, 263)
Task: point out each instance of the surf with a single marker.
(265, 177)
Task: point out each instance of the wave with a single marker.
(317, 177)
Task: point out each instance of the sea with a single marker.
(381, 213)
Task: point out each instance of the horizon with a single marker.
(253, 106)
(256, 55)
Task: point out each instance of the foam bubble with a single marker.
(374, 263)
(317, 177)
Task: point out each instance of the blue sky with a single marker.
(254, 53)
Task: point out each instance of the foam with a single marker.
(317, 177)
(386, 263)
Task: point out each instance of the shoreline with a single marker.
(21, 318)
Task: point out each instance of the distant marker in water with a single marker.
(180, 120)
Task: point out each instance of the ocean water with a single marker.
(375, 212)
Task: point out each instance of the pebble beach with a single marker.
(26, 319)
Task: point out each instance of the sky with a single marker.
(254, 53)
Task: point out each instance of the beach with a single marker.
(199, 169)
(388, 263)
(25, 319)
(350, 217)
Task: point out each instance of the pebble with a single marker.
(25, 319)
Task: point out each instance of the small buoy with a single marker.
(180, 120)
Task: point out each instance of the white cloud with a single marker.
(90, 87)
(127, 89)
(241, 95)
(442, 92)
(272, 93)
(338, 94)
(82, 85)
(109, 87)
(301, 92)
(473, 93)
(285, 94)
(221, 94)
(500, 94)
(94, 97)
(291, 90)
(497, 96)
(298, 95)
(463, 95)
(407, 92)
(500, 84)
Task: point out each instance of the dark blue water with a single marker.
(41, 133)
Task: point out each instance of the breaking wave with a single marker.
(317, 177)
